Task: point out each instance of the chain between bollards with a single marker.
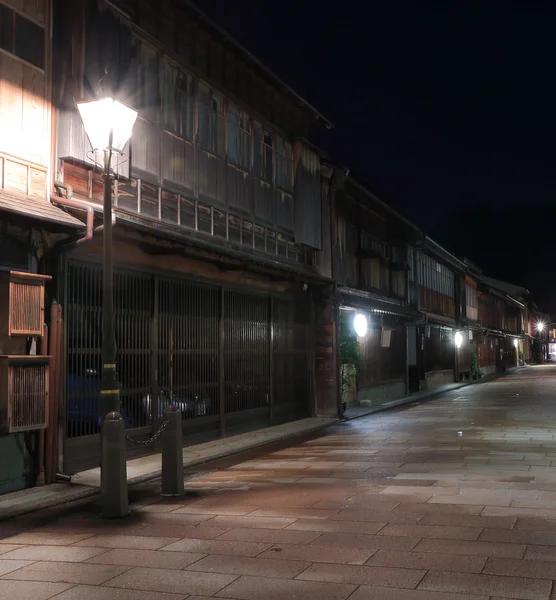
(151, 440)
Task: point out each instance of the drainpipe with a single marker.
(68, 201)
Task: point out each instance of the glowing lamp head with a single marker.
(516, 342)
(540, 326)
(458, 339)
(360, 324)
(108, 123)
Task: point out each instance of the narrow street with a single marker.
(450, 499)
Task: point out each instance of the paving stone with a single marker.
(271, 535)
(536, 569)
(469, 521)
(471, 548)
(432, 531)
(207, 510)
(255, 588)
(25, 590)
(378, 516)
(323, 525)
(263, 567)
(127, 541)
(171, 530)
(45, 538)
(509, 587)
(378, 593)
(521, 536)
(53, 553)
(85, 592)
(58, 572)
(147, 558)
(7, 566)
(172, 581)
(428, 561)
(325, 554)
(230, 522)
(218, 547)
(364, 575)
(374, 542)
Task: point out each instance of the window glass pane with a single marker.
(247, 233)
(292, 251)
(204, 218)
(267, 149)
(6, 29)
(245, 135)
(234, 229)
(204, 126)
(170, 204)
(187, 213)
(219, 224)
(282, 244)
(211, 121)
(259, 238)
(149, 200)
(29, 41)
(178, 102)
(257, 152)
(270, 241)
(232, 135)
(127, 195)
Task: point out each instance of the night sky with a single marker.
(445, 109)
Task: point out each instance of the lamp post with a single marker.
(108, 125)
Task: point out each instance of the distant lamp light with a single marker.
(360, 325)
(516, 342)
(540, 326)
(108, 123)
(458, 339)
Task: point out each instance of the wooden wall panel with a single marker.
(23, 110)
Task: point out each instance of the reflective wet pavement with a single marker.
(450, 499)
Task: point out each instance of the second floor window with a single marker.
(263, 167)
(239, 138)
(284, 165)
(21, 37)
(211, 120)
(146, 94)
(178, 102)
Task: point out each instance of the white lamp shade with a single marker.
(108, 123)
(516, 342)
(458, 339)
(360, 325)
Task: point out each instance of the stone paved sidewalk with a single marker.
(452, 499)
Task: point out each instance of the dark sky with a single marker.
(442, 107)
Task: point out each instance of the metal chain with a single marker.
(151, 440)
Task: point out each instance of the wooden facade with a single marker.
(217, 149)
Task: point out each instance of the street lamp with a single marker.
(360, 324)
(108, 125)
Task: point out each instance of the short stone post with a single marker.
(113, 468)
(172, 454)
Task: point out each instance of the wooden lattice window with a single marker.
(22, 303)
(24, 382)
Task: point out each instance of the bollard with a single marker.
(172, 454)
(113, 468)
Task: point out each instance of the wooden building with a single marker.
(220, 286)
(370, 249)
(27, 221)
(437, 279)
